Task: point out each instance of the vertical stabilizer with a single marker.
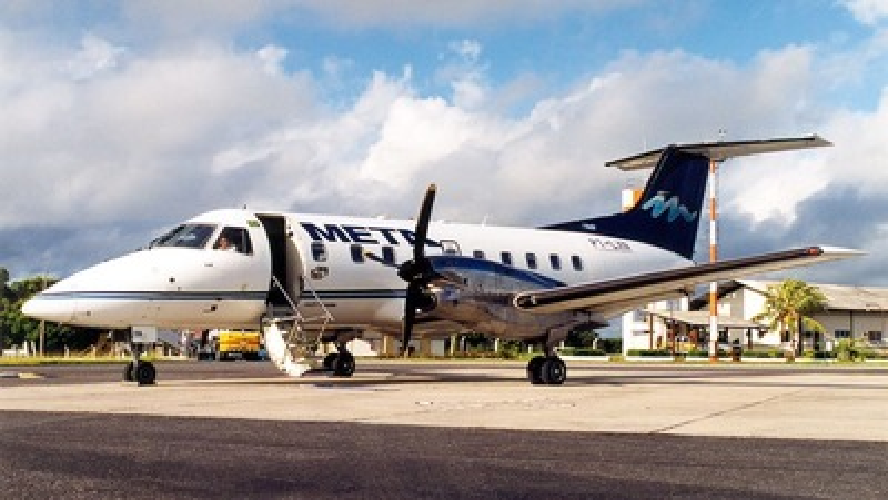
(668, 212)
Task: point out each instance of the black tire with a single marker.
(330, 361)
(128, 375)
(144, 373)
(535, 370)
(554, 371)
(344, 365)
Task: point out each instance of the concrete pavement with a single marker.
(775, 403)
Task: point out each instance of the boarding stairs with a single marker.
(291, 338)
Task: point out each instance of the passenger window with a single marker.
(388, 255)
(506, 257)
(555, 261)
(531, 259)
(319, 251)
(450, 247)
(577, 262)
(357, 252)
(478, 254)
(234, 238)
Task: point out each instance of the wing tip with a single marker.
(836, 252)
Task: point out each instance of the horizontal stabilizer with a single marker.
(720, 151)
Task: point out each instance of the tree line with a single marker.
(15, 328)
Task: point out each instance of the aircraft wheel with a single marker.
(553, 371)
(128, 375)
(344, 365)
(330, 361)
(144, 373)
(535, 370)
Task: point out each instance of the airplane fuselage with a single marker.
(346, 265)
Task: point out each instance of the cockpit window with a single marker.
(186, 236)
(234, 238)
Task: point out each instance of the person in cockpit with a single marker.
(233, 238)
(223, 243)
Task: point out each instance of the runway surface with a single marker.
(445, 430)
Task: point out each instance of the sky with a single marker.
(122, 118)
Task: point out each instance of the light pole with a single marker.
(713, 257)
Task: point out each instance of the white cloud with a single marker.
(470, 50)
(272, 56)
(196, 16)
(465, 74)
(867, 11)
(132, 142)
(95, 55)
(210, 122)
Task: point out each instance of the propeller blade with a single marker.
(418, 271)
(409, 317)
(422, 223)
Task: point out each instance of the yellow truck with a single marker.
(231, 344)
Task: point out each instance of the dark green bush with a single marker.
(769, 353)
(824, 355)
(649, 353)
(694, 353)
(582, 351)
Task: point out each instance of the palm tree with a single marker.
(789, 306)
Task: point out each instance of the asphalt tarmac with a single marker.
(324, 438)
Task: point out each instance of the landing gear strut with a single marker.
(548, 369)
(137, 370)
(341, 362)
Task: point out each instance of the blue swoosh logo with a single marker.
(658, 205)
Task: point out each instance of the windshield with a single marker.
(185, 236)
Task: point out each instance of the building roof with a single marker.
(701, 318)
(844, 297)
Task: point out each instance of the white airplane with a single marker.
(244, 269)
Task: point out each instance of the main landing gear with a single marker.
(549, 370)
(137, 370)
(341, 362)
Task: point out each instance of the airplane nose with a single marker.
(56, 310)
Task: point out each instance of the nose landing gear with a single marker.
(137, 370)
(142, 372)
(341, 362)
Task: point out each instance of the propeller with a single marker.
(417, 272)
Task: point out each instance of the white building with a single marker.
(679, 325)
(859, 313)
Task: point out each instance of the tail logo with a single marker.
(658, 205)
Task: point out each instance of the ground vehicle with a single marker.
(231, 344)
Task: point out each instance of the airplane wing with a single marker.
(621, 294)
